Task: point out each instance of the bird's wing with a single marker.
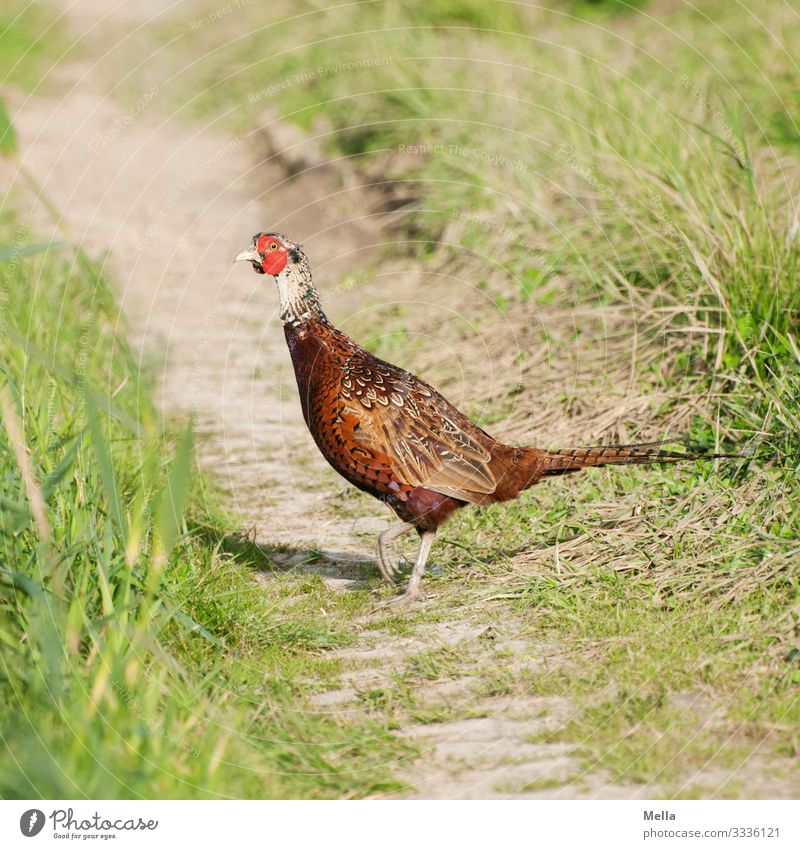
(388, 414)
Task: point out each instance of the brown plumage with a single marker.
(391, 434)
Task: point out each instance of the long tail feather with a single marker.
(573, 459)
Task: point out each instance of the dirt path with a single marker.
(173, 202)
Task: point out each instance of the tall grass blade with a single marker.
(8, 138)
(106, 467)
(12, 252)
(175, 497)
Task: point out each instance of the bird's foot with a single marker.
(411, 594)
(390, 569)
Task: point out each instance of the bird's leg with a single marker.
(419, 567)
(412, 591)
(390, 569)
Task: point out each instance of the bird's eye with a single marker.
(273, 246)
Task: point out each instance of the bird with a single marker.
(392, 435)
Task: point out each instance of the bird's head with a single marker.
(270, 253)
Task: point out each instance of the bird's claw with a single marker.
(404, 598)
(390, 568)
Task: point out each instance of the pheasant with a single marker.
(391, 434)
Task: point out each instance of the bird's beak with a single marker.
(248, 256)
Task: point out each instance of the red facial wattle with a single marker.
(275, 255)
(274, 261)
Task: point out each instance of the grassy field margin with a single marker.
(597, 250)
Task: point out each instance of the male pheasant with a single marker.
(394, 436)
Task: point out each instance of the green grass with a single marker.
(606, 198)
(649, 612)
(32, 43)
(140, 658)
(592, 173)
(651, 168)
